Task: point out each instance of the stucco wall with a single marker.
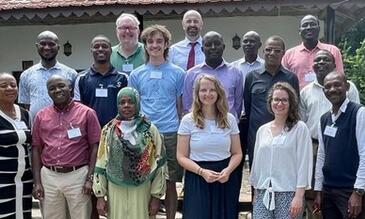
(18, 42)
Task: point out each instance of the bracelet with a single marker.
(198, 172)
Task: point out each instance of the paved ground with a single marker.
(245, 196)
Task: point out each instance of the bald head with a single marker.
(58, 78)
(212, 34)
(309, 17)
(252, 34)
(101, 38)
(47, 35)
(192, 13)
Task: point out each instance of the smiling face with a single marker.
(101, 50)
(48, 48)
(126, 107)
(323, 64)
(280, 103)
(207, 92)
(309, 28)
(127, 31)
(273, 52)
(59, 89)
(156, 45)
(192, 24)
(8, 88)
(335, 88)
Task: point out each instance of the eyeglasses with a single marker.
(269, 50)
(125, 28)
(282, 100)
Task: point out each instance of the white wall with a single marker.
(18, 42)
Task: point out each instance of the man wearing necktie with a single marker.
(188, 53)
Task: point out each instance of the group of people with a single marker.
(115, 138)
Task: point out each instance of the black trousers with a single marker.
(334, 203)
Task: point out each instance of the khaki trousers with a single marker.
(62, 188)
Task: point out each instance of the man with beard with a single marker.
(299, 59)
(340, 169)
(98, 86)
(187, 53)
(313, 104)
(258, 83)
(229, 76)
(128, 54)
(65, 141)
(32, 85)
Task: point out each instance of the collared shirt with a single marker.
(64, 137)
(360, 138)
(33, 85)
(100, 91)
(282, 163)
(299, 60)
(159, 87)
(245, 67)
(179, 53)
(313, 104)
(257, 85)
(230, 78)
(127, 64)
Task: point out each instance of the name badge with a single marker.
(101, 92)
(156, 74)
(279, 140)
(127, 67)
(330, 131)
(20, 125)
(73, 133)
(310, 76)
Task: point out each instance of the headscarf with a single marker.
(123, 162)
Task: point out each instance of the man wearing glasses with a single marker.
(258, 83)
(129, 53)
(299, 59)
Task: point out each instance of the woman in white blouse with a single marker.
(209, 149)
(282, 164)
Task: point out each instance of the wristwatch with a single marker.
(360, 192)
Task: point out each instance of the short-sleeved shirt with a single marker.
(159, 88)
(33, 85)
(210, 143)
(127, 64)
(257, 85)
(229, 76)
(64, 137)
(100, 91)
(179, 53)
(299, 60)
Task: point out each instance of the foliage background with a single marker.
(352, 45)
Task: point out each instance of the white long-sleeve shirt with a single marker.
(360, 138)
(285, 161)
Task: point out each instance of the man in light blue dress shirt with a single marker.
(33, 93)
(179, 52)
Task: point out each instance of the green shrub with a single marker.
(354, 64)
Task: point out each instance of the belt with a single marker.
(59, 169)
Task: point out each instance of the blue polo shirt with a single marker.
(159, 87)
(103, 100)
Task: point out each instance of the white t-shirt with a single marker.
(210, 143)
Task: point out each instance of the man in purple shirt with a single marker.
(65, 143)
(230, 77)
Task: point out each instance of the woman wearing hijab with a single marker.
(282, 164)
(15, 172)
(130, 165)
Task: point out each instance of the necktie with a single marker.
(191, 57)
